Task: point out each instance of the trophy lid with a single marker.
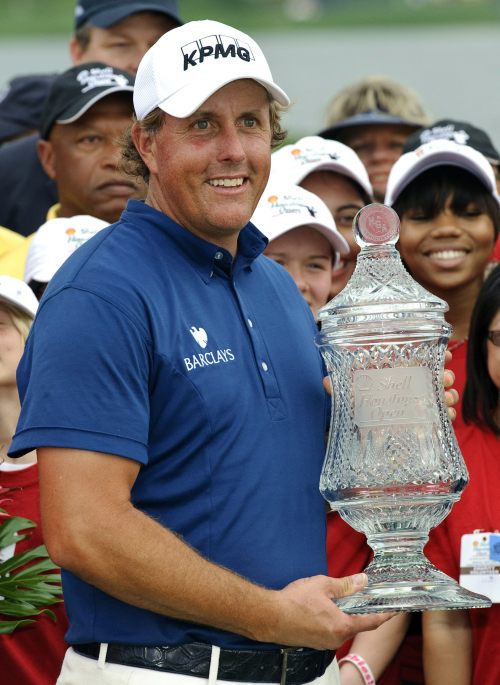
(380, 289)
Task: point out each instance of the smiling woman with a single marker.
(445, 195)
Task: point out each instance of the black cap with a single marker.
(366, 119)
(77, 89)
(460, 132)
(21, 104)
(105, 13)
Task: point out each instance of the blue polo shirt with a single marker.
(152, 344)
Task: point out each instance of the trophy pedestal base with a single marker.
(430, 590)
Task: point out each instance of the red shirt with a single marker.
(496, 251)
(31, 655)
(477, 509)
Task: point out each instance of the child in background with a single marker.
(302, 237)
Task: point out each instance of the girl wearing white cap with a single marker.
(302, 237)
(445, 194)
(34, 654)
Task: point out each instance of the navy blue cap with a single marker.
(76, 90)
(367, 119)
(21, 104)
(460, 132)
(105, 13)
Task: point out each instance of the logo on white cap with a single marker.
(290, 204)
(216, 46)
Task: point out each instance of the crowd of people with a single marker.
(164, 252)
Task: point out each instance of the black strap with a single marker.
(291, 666)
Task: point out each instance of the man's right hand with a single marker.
(308, 616)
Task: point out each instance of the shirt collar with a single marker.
(207, 256)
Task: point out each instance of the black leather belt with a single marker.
(292, 666)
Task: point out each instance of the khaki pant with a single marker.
(82, 670)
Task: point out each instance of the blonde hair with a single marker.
(21, 320)
(377, 93)
(132, 162)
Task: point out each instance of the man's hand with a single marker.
(450, 394)
(309, 617)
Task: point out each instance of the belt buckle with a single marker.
(284, 664)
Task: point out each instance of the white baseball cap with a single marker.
(55, 241)
(283, 207)
(438, 152)
(190, 63)
(312, 153)
(19, 295)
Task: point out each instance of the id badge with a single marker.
(480, 564)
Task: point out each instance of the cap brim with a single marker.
(78, 109)
(191, 97)
(436, 159)
(112, 16)
(368, 119)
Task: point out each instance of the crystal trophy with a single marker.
(392, 468)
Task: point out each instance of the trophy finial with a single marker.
(376, 224)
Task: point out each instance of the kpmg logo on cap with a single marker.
(215, 47)
(448, 132)
(100, 77)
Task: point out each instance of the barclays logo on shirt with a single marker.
(202, 359)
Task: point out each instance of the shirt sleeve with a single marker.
(83, 379)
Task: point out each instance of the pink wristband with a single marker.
(359, 663)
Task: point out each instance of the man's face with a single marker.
(83, 158)
(378, 146)
(209, 170)
(124, 44)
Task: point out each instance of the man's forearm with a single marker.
(92, 529)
